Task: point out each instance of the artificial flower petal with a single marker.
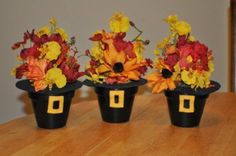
(134, 75)
(43, 31)
(182, 28)
(171, 19)
(103, 68)
(51, 50)
(119, 23)
(188, 77)
(36, 69)
(62, 33)
(54, 75)
(53, 22)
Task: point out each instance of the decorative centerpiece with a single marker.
(183, 69)
(115, 68)
(49, 67)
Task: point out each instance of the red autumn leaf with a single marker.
(96, 37)
(70, 69)
(30, 52)
(171, 60)
(182, 40)
(20, 71)
(124, 46)
(87, 53)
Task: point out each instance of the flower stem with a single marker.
(140, 32)
(81, 55)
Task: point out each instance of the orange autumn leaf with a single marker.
(36, 72)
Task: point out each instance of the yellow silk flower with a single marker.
(162, 44)
(119, 23)
(43, 31)
(54, 75)
(51, 50)
(182, 28)
(202, 80)
(62, 33)
(53, 22)
(211, 66)
(96, 78)
(139, 49)
(97, 52)
(188, 77)
(171, 19)
(196, 79)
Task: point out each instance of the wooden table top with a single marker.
(148, 132)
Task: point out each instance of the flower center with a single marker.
(118, 67)
(166, 73)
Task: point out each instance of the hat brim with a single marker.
(116, 86)
(185, 89)
(27, 86)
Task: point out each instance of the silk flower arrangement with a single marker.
(183, 67)
(116, 68)
(50, 69)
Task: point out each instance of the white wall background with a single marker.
(80, 18)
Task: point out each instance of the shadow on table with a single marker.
(26, 102)
(209, 119)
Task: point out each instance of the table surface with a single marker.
(148, 132)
